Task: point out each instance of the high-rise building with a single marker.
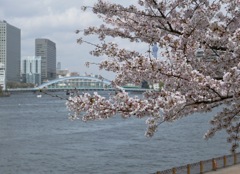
(10, 53)
(47, 50)
(59, 66)
(2, 77)
(31, 69)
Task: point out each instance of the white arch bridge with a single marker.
(87, 83)
(77, 82)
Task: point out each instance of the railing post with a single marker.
(214, 164)
(201, 167)
(188, 169)
(173, 170)
(235, 158)
(224, 161)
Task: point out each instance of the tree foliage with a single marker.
(191, 83)
(19, 85)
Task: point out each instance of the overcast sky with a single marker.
(56, 20)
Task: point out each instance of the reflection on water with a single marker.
(37, 137)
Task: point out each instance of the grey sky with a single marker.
(56, 20)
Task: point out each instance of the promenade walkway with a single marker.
(235, 169)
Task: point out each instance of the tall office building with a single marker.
(31, 69)
(47, 50)
(59, 66)
(10, 53)
(2, 76)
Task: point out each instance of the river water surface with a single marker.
(36, 137)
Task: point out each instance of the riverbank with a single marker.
(235, 169)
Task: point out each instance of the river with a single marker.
(36, 137)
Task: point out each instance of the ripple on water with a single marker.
(37, 137)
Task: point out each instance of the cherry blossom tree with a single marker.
(192, 83)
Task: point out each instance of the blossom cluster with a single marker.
(190, 83)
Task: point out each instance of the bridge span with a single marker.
(82, 83)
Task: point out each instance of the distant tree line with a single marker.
(19, 85)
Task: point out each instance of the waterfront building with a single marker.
(10, 53)
(47, 50)
(58, 65)
(63, 73)
(72, 74)
(31, 69)
(2, 76)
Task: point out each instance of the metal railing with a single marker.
(204, 166)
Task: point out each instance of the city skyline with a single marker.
(56, 21)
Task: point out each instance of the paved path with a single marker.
(228, 170)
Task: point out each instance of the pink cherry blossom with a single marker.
(191, 84)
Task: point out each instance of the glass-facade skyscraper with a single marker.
(31, 69)
(10, 53)
(47, 50)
